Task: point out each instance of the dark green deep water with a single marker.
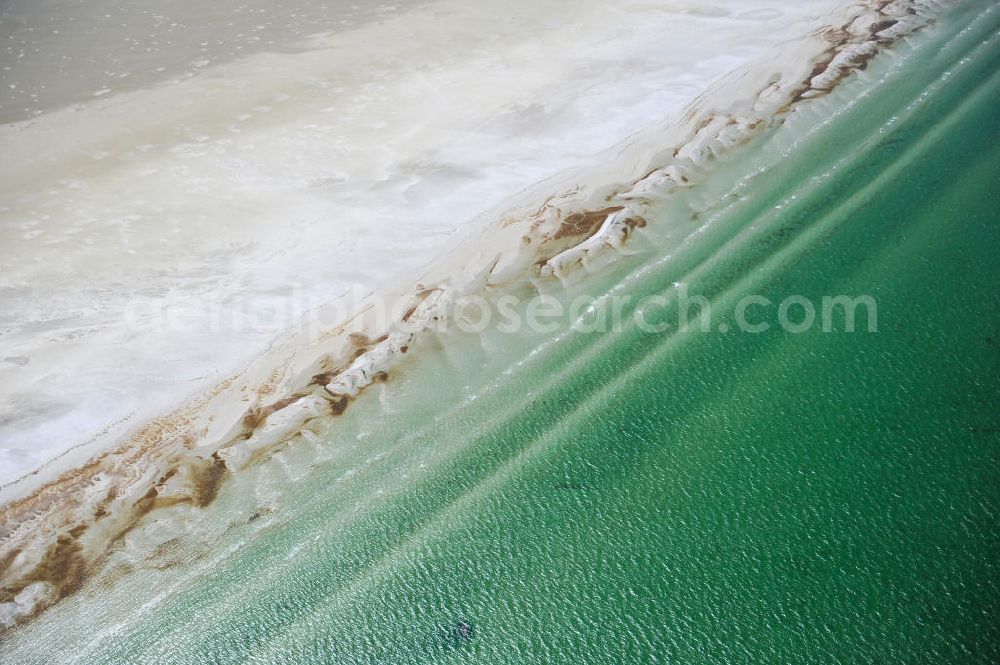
(685, 497)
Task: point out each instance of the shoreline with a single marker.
(257, 190)
(61, 521)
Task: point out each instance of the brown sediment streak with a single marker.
(52, 540)
(320, 379)
(63, 562)
(339, 405)
(256, 416)
(882, 25)
(6, 593)
(583, 223)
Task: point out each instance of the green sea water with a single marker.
(679, 497)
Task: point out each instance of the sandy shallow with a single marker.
(192, 270)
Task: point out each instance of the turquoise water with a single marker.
(688, 497)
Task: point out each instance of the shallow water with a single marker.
(630, 497)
